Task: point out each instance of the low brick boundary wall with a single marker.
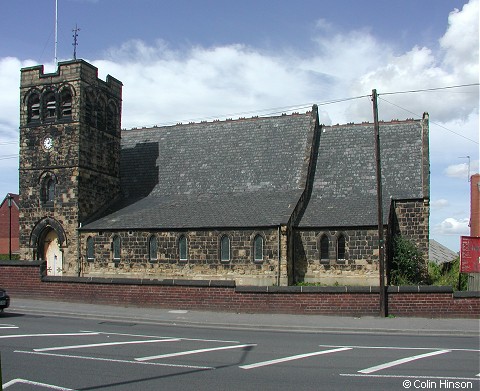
(24, 279)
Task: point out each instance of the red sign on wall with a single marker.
(469, 254)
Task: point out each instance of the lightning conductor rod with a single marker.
(381, 242)
(75, 41)
(56, 31)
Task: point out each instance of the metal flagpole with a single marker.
(56, 31)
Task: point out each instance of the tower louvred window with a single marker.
(66, 103)
(101, 115)
(50, 105)
(89, 117)
(34, 108)
(111, 116)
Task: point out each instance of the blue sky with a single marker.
(193, 60)
(268, 25)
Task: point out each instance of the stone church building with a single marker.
(262, 201)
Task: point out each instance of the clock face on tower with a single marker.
(47, 143)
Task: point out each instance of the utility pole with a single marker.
(381, 241)
(9, 200)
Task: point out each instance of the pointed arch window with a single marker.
(258, 248)
(152, 248)
(50, 106)
(341, 248)
(33, 107)
(111, 117)
(89, 116)
(324, 247)
(182, 248)
(50, 190)
(101, 115)
(66, 103)
(90, 249)
(225, 248)
(47, 189)
(116, 248)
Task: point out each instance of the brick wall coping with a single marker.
(465, 294)
(21, 263)
(419, 289)
(140, 281)
(245, 288)
(307, 289)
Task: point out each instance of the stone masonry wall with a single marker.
(83, 160)
(413, 222)
(360, 266)
(203, 256)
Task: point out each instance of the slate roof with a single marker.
(440, 254)
(344, 190)
(233, 173)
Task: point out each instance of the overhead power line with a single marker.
(435, 123)
(278, 110)
(430, 89)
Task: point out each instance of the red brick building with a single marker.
(475, 205)
(9, 224)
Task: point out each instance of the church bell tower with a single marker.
(70, 135)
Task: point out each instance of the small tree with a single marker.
(408, 265)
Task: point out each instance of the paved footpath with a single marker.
(298, 323)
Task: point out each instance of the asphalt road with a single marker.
(64, 351)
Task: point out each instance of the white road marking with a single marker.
(46, 335)
(94, 345)
(291, 358)
(402, 361)
(188, 352)
(8, 326)
(35, 383)
(410, 377)
(158, 336)
(398, 348)
(114, 360)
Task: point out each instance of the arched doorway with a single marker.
(48, 242)
(52, 253)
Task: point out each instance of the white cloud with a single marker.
(422, 68)
(460, 42)
(162, 85)
(9, 98)
(457, 171)
(452, 226)
(440, 203)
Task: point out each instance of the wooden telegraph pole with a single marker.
(381, 241)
